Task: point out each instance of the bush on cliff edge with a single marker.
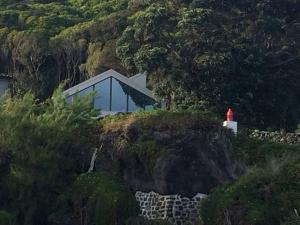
(96, 198)
(264, 196)
(43, 148)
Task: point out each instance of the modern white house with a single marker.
(4, 83)
(115, 93)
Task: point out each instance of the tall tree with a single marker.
(236, 54)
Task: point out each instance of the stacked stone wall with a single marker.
(279, 137)
(174, 208)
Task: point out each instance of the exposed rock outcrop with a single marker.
(169, 153)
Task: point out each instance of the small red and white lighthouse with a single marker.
(230, 123)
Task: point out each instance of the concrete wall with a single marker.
(174, 208)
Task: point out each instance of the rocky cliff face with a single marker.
(169, 153)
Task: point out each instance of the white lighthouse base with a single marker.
(231, 125)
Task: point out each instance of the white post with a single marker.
(229, 123)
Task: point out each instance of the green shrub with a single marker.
(100, 199)
(294, 219)
(257, 153)
(49, 144)
(262, 197)
(6, 218)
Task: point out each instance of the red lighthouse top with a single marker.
(229, 115)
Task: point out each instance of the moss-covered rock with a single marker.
(184, 152)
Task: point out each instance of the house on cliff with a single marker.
(115, 93)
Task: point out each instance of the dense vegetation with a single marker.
(45, 152)
(267, 195)
(198, 53)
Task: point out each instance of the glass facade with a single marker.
(115, 96)
(4, 83)
(118, 96)
(85, 92)
(102, 97)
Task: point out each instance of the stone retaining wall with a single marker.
(286, 138)
(174, 208)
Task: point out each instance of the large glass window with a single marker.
(149, 103)
(3, 86)
(118, 96)
(69, 99)
(135, 100)
(102, 98)
(85, 92)
(113, 95)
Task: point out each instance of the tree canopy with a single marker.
(198, 53)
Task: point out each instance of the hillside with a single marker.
(196, 53)
(168, 160)
(62, 164)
